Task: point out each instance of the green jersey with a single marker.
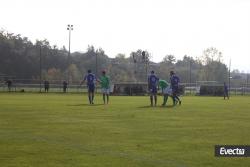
(104, 81)
(163, 84)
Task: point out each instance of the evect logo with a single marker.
(232, 151)
(236, 151)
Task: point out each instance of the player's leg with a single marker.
(89, 96)
(93, 95)
(155, 95)
(151, 99)
(165, 96)
(165, 99)
(107, 98)
(107, 94)
(155, 98)
(178, 99)
(103, 98)
(103, 95)
(151, 96)
(174, 98)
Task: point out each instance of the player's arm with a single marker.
(157, 83)
(108, 82)
(98, 80)
(82, 81)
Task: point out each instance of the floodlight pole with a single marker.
(96, 63)
(247, 79)
(40, 49)
(147, 64)
(190, 68)
(146, 71)
(229, 78)
(70, 28)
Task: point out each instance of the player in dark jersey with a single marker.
(65, 86)
(152, 86)
(9, 84)
(46, 86)
(174, 80)
(91, 79)
(225, 91)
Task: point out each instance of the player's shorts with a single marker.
(106, 91)
(167, 91)
(153, 90)
(91, 88)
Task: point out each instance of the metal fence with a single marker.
(57, 87)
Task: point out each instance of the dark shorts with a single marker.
(91, 88)
(225, 93)
(153, 90)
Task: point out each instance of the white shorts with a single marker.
(167, 91)
(106, 91)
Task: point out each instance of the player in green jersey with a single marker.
(166, 90)
(105, 85)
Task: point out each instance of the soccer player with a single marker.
(65, 86)
(166, 90)
(9, 84)
(225, 91)
(174, 80)
(90, 77)
(105, 85)
(46, 86)
(152, 85)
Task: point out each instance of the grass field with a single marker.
(62, 130)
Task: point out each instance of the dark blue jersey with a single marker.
(153, 80)
(225, 88)
(174, 80)
(90, 79)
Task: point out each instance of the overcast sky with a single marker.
(178, 27)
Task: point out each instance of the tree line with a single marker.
(22, 59)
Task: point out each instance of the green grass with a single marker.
(62, 130)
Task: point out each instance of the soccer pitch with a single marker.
(62, 130)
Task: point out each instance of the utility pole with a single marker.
(40, 51)
(247, 79)
(145, 60)
(190, 72)
(96, 63)
(70, 28)
(190, 68)
(229, 78)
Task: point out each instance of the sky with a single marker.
(162, 27)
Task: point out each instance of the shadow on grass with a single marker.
(156, 106)
(76, 105)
